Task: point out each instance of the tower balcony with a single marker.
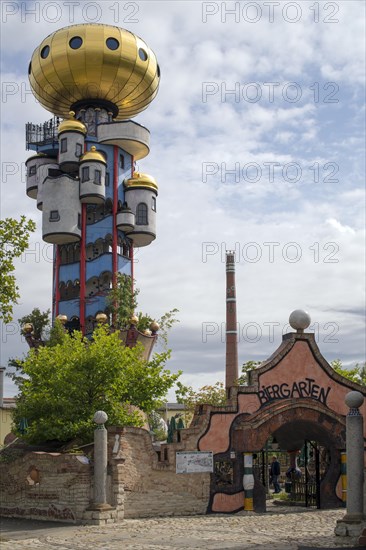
(129, 135)
(38, 135)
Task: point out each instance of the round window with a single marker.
(45, 51)
(75, 42)
(29, 68)
(158, 71)
(142, 54)
(112, 43)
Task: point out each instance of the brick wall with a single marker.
(149, 486)
(49, 486)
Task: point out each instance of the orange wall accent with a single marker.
(227, 503)
(217, 438)
(299, 364)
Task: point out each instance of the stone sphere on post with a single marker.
(299, 320)
(354, 399)
(100, 417)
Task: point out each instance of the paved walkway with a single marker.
(278, 529)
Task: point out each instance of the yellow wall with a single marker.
(5, 423)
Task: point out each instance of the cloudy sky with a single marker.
(257, 144)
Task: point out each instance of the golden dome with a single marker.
(97, 65)
(71, 125)
(62, 318)
(154, 326)
(101, 318)
(27, 328)
(93, 155)
(141, 180)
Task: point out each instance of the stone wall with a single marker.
(48, 486)
(147, 483)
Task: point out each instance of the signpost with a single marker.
(194, 462)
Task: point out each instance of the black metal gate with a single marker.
(306, 490)
(313, 462)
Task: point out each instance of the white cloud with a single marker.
(187, 132)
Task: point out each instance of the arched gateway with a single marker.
(293, 406)
(293, 398)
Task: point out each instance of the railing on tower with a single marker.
(42, 134)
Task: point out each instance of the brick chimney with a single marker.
(231, 325)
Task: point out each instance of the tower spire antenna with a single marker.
(231, 323)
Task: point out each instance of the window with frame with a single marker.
(121, 161)
(79, 221)
(78, 150)
(153, 204)
(141, 214)
(63, 145)
(107, 179)
(98, 177)
(84, 174)
(32, 170)
(54, 172)
(54, 216)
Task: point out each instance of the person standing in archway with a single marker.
(275, 474)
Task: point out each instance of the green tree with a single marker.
(157, 426)
(211, 395)
(39, 320)
(14, 238)
(122, 302)
(61, 386)
(245, 368)
(355, 374)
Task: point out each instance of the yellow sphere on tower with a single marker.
(94, 65)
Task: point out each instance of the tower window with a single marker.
(78, 150)
(54, 216)
(142, 54)
(141, 214)
(97, 177)
(75, 42)
(107, 179)
(32, 170)
(45, 51)
(79, 221)
(85, 174)
(153, 204)
(54, 172)
(112, 43)
(121, 161)
(63, 145)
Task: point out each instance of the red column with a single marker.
(131, 246)
(132, 265)
(82, 267)
(115, 207)
(56, 281)
(231, 324)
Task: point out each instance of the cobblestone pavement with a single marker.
(278, 529)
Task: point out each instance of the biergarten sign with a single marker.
(302, 389)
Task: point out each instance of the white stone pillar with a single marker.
(100, 462)
(2, 369)
(355, 457)
(353, 523)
